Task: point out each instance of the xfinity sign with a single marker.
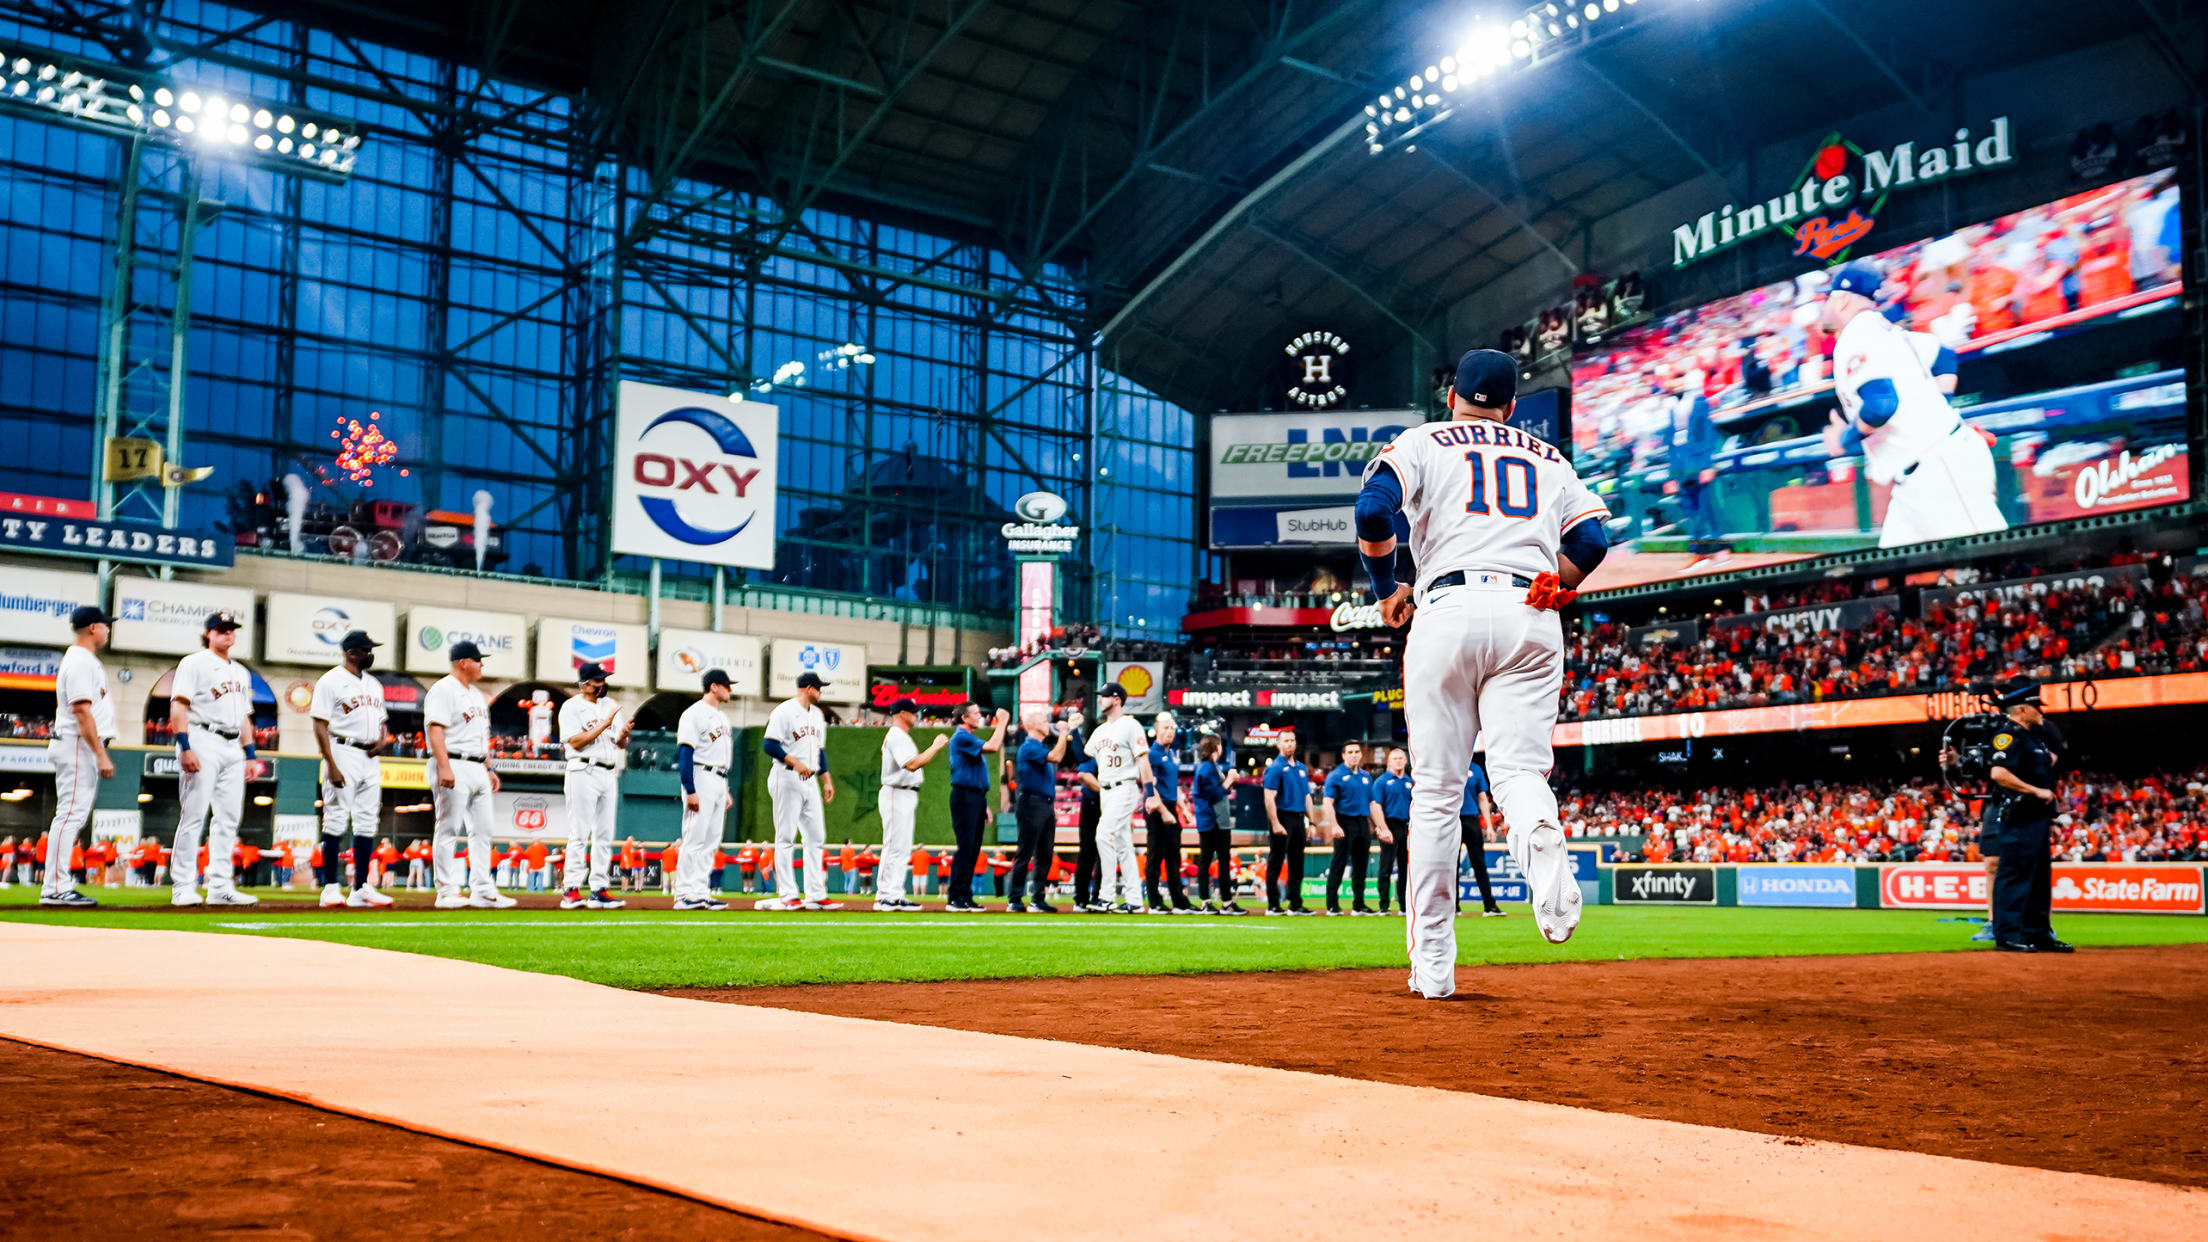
(694, 477)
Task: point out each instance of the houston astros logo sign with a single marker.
(694, 477)
(667, 478)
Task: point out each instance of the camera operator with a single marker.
(2019, 821)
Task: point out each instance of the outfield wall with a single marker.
(2079, 888)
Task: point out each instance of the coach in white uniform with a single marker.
(702, 751)
(1501, 529)
(348, 712)
(798, 785)
(84, 727)
(899, 802)
(1894, 412)
(594, 749)
(1123, 781)
(211, 717)
(459, 726)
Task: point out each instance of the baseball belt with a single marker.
(1458, 577)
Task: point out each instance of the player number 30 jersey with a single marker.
(1483, 496)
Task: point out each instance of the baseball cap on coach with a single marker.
(902, 706)
(810, 681)
(1112, 690)
(89, 614)
(1487, 378)
(357, 640)
(589, 672)
(1858, 278)
(715, 677)
(220, 621)
(464, 650)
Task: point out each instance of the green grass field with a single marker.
(658, 948)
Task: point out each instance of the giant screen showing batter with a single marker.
(1772, 426)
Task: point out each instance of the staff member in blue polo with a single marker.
(1287, 794)
(1214, 812)
(1477, 818)
(1161, 861)
(970, 799)
(1392, 790)
(1036, 763)
(1356, 820)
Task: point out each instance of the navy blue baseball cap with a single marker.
(810, 681)
(715, 677)
(465, 650)
(358, 640)
(89, 615)
(589, 672)
(1859, 278)
(1487, 378)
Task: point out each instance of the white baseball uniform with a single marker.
(353, 707)
(466, 807)
(593, 792)
(797, 811)
(899, 803)
(704, 729)
(76, 771)
(1115, 745)
(219, 711)
(1488, 506)
(1940, 469)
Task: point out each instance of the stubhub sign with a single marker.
(1797, 884)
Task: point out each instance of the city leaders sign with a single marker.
(694, 477)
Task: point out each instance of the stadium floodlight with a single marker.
(113, 101)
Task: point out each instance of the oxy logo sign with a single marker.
(694, 477)
(330, 625)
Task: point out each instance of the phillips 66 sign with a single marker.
(694, 477)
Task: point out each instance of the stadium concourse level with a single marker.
(2161, 817)
(2131, 627)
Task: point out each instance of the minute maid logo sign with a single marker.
(1837, 196)
(694, 477)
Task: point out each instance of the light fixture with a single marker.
(145, 797)
(263, 800)
(1592, 10)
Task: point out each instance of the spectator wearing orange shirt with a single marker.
(540, 869)
(632, 866)
(387, 863)
(242, 860)
(669, 855)
(747, 867)
(417, 866)
(714, 880)
(7, 860)
(920, 870)
(868, 861)
(850, 867)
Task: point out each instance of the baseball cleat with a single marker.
(1543, 859)
(187, 897)
(776, 904)
(571, 899)
(690, 903)
(453, 901)
(1984, 936)
(1300, 912)
(1127, 907)
(820, 903)
(365, 898)
(1231, 908)
(1015, 907)
(71, 900)
(1211, 907)
(1364, 912)
(1042, 908)
(1334, 914)
(491, 901)
(1274, 911)
(1494, 914)
(332, 895)
(231, 897)
(600, 899)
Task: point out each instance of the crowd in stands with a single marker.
(1067, 639)
(2103, 818)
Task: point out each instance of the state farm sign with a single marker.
(2079, 888)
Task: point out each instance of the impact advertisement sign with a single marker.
(1797, 884)
(502, 636)
(168, 618)
(306, 629)
(694, 477)
(685, 655)
(565, 645)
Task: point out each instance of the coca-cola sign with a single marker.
(1351, 615)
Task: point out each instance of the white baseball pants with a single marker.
(464, 808)
(797, 816)
(216, 792)
(76, 785)
(899, 808)
(593, 801)
(701, 836)
(358, 805)
(1478, 656)
(1119, 878)
(1950, 494)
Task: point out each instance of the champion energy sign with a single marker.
(694, 477)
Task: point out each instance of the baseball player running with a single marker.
(1894, 412)
(1501, 529)
(594, 748)
(899, 802)
(348, 713)
(798, 785)
(1123, 780)
(459, 727)
(702, 752)
(211, 718)
(84, 727)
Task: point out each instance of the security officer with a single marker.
(2024, 763)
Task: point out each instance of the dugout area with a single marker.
(2034, 1096)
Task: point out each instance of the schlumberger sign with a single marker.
(1835, 201)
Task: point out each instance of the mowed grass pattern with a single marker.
(657, 948)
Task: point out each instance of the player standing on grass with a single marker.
(1123, 782)
(348, 713)
(1894, 412)
(458, 722)
(899, 802)
(594, 748)
(84, 725)
(797, 786)
(701, 758)
(1502, 530)
(211, 718)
